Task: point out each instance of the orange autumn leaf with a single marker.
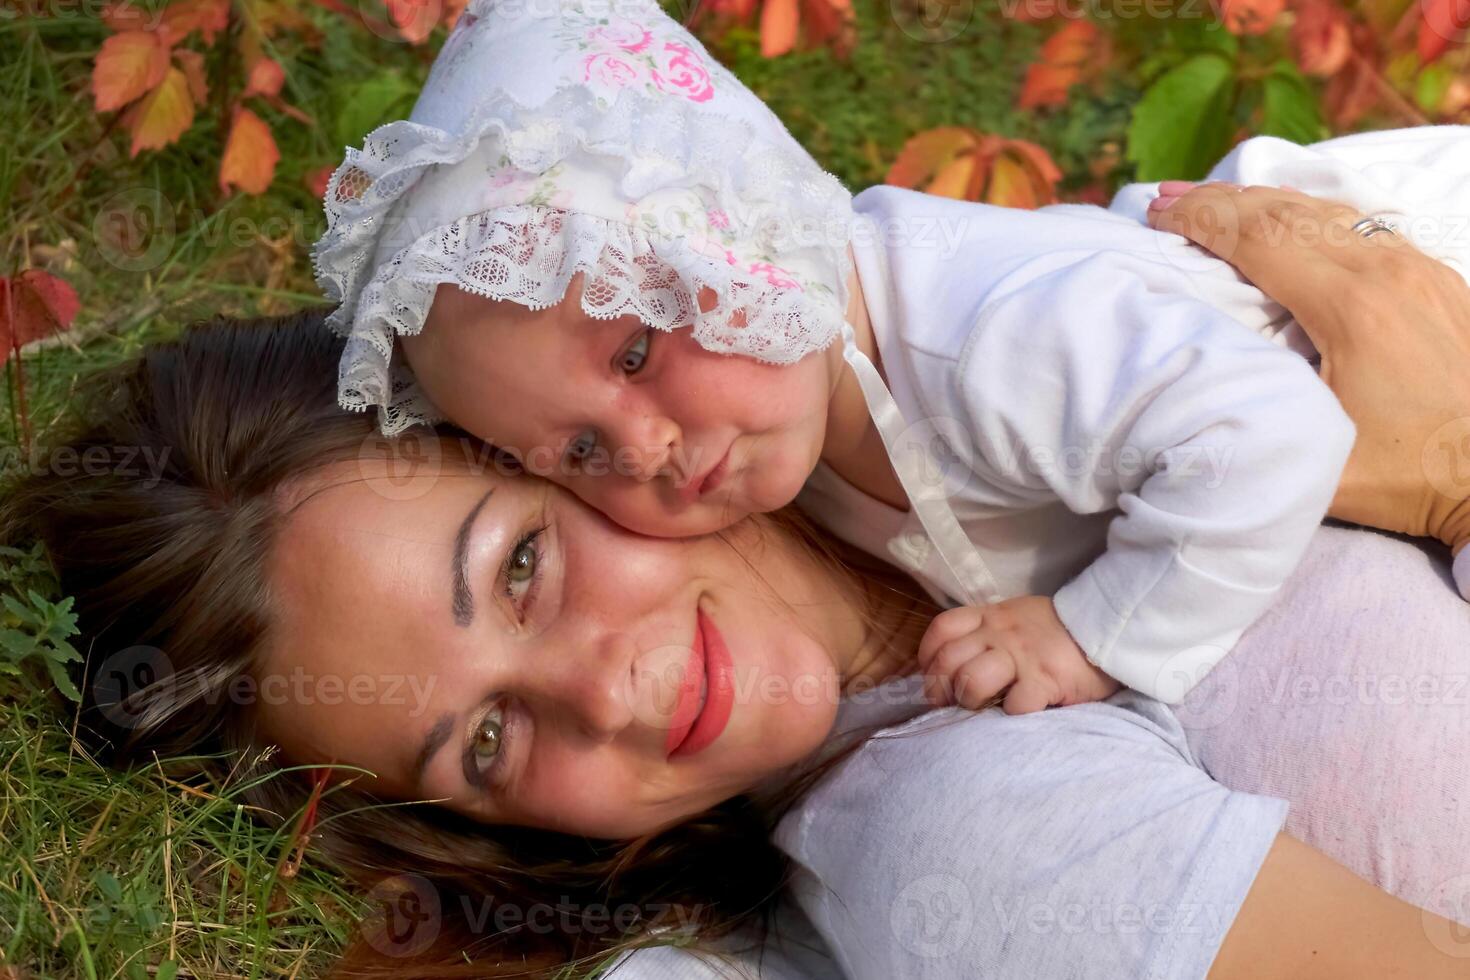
(1322, 37)
(926, 153)
(162, 115)
(414, 19)
(266, 78)
(954, 161)
(784, 25)
(1251, 16)
(39, 305)
(191, 63)
(1442, 23)
(128, 66)
(1066, 59)
(954, 179)
(208, 17)
(250, 156)
(780, 22)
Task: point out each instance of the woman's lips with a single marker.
(695, 725)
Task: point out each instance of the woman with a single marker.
(281, 549)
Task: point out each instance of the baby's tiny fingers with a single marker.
(984, 676)
(954, 655)
(1031, 692)
(948, 626)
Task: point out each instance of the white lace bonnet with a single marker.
(554, 136)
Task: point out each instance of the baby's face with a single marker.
(661, 435)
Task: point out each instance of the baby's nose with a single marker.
(652, 453)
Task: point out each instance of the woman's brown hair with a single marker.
(173, 560)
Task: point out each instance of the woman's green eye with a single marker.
(522, 566)
(487, 742)
(632, 359)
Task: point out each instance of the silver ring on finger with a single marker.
(1375, 225)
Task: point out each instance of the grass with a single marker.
(159, 871)
(146, 873)
(162, 871)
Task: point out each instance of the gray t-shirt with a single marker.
(1077, 842)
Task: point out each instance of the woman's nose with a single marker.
(595, 689)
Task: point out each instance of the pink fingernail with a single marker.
(1174, 188)
(1162, 202)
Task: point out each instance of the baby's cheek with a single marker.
(635, 506)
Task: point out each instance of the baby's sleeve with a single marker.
(1217, 452)
(1072, 842)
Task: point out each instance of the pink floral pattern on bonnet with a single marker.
(620, 54)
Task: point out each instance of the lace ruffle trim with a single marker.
(529, 254)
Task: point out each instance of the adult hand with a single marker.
(1392, 326)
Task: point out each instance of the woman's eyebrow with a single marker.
(464, 599)
(433, 742)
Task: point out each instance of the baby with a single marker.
(592, 247)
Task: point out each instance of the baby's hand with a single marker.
(972, 653)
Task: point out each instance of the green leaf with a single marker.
(17, 645)
(19, 611)
(1289, 107)
(110, 886)
(1431, 85)
(1182, 125)
(167, 970)
(369, 104)
(61, 680)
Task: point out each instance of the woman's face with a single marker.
(490, 641)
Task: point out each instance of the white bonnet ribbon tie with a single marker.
(930, 506)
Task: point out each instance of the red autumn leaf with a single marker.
(723, 12)
(266, 78)
(1251, 16)
(128, 66)
(962, 163)
(414, 19)
(780, 22)
(191, 63)
(42, 304)
(163, 114)
(250, 156)
(1322, 37)
(208, 17)
(1357, 88)
(1442, 24)
(1066, 59)
(317, 180)
(830, 23)
(452, 10)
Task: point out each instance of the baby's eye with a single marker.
(581, 447)
(631, 360)
(488, 737)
